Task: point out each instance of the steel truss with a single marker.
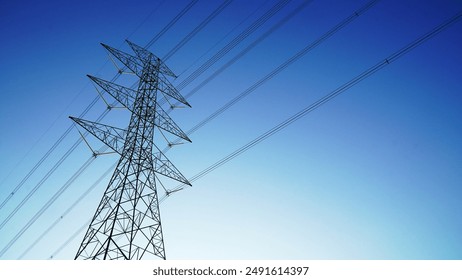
(127, 223)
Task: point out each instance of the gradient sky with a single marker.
(374, 174)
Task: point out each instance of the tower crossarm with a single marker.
(148, 57)
(162, 165)
(111, 136)
(132, 62)
(143, 58)
(167, 88)
(163, 121)
(126, 97)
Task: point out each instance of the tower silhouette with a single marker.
(127, 223)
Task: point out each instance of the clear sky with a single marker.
(374, 174)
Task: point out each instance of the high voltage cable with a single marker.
(60, 248)
(32, 147)
(248, 48)
(328, 97)
(223, 38)
(197, 29)
(68, 210)
(171, 23)
(146, 18)
(44, 157)
(37, 165)
(39, 184)
(244, 34)
(283, 66)
(39, 213)
(46, 206)
(43, 180)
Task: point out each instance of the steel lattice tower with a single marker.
(127, 222)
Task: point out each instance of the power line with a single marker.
(43, 180)
(46, 206)
(244, 34)
(248, 48)
(72, 237)
(44, 157)
(223, 38)
(32, 147)
(197, 29)
(171, 23)
(282, 66)
(68, 210)
(327, 97)
(245, 51)
(153, 11)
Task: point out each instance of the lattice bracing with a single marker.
(127, 223)
(127, 96)
(138, 64)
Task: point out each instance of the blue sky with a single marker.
(374, 174)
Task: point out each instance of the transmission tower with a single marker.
(127, 222)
